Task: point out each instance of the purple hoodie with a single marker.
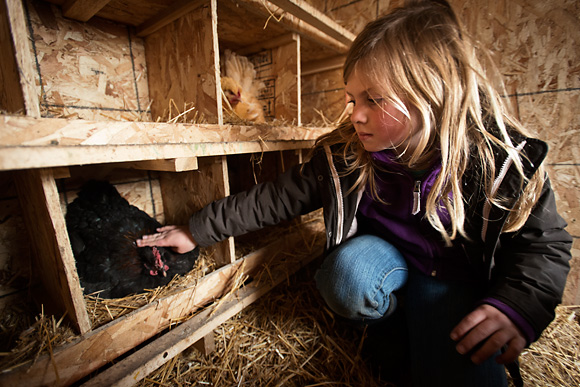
(402, 221)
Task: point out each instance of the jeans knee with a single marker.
(357, 279)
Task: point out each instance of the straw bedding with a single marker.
(289, 338)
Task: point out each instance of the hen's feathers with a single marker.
(241, 87)
(103, 228)
(241, 70)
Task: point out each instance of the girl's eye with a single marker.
(376, 101)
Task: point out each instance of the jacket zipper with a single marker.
(417, 208)
(416, 198)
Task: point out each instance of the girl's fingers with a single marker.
(167, 228)
(515, 347)
(467, 324)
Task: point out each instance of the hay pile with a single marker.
(104, 310)
(288, 338)
(554, 360)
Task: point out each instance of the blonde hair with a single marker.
(421, 57)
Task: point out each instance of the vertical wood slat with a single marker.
(51, 248)
(17, 76)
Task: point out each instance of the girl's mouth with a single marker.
(364, 136)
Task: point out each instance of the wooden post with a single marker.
(17, 88)
(50, 245)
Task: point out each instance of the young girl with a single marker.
(431, 193)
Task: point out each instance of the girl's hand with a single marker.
(178, 238)
(493, 329)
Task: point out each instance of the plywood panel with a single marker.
(278, 70)
(180, 62)
(92, 70)
(323, 98)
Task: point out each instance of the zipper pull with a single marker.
(416, 197)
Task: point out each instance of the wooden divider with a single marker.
(54, 260)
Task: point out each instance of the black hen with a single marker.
(103, 227)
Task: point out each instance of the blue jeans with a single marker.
(356, 281)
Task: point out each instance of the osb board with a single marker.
(238, 26)
(554, 117)
(130, 12)
(187, 192)
(278, 70)
(93, 70)
(572, 291)
(322, 97)
(536, 44)
(15, 265)
(180, 64)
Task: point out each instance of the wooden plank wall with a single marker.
(536, 45)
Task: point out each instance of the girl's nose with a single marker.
(358, 115)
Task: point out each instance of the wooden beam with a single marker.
(12, 158)
(304, 11)
(82, 10)
(268, 44)
(57, 132)
(269, 10)
(169, 165)
(103, 345)
(327, 64)
(170, 14)
(53, 142)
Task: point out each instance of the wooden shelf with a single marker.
(27, 143)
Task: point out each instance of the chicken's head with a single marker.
(232, 90)
(153, 261)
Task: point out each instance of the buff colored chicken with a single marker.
(241, 88)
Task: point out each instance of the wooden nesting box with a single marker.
(119, 66)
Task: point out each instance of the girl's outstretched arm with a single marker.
(178, 238)
(493, 329)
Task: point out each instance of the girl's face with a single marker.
(378, 123)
